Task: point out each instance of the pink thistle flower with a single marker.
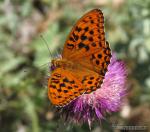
(106, 99)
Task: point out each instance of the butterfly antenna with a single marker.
(45, 42)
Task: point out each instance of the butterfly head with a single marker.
(54, 65)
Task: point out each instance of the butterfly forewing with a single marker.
(86, 36)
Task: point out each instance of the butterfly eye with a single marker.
(52, 67)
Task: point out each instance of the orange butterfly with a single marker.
(84, 61)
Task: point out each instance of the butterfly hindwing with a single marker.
(63, 87)
(92, 82)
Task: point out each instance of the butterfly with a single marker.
(84, 62)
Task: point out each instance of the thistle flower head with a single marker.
(106, 99)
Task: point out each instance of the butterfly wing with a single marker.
(86, 36)
(86, 43)
(97, 61)
(63, 87)
(66, 85)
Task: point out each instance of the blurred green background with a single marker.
(24, 59)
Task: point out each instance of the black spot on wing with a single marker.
(92, 21)
(62, 85)
(83, 37)
(91, 78)
(52, 86)
(91, 32)
(86, 29)
(72, 82)
(59, 90)
(90, 39)
(70, 46)
(65, 91)
(71, 38)
(65, 80)
(97, 62)
(69, 87)
(78, 29)
(76, 37)
(93, 44)
(82, 45)
(99, 56)
(89, 82)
